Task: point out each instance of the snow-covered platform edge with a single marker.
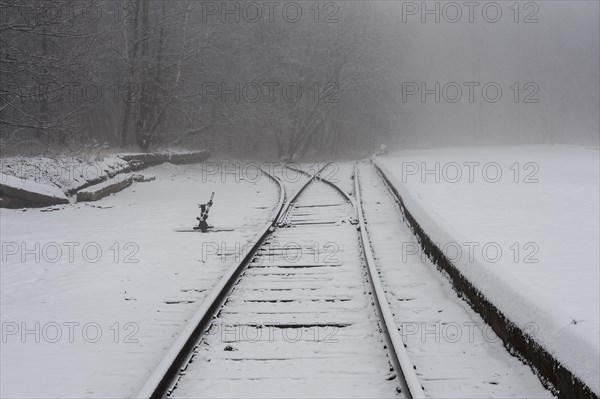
(19, 192)
(137, 162)
(101, 190)
(550, 353)
(30, 192)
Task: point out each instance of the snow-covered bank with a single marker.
(71, 174)
(521, 225)
(29, 192)
(107, 187)
(92, 296)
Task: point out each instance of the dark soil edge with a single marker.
(551, 372)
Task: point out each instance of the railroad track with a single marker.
(303, 314)
(165, 375)
(450, 346)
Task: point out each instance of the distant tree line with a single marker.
(286, 78)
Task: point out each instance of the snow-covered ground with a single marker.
(521, 224)
(92, 295)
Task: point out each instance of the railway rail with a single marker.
(304, 311)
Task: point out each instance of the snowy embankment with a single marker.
(29, 191)
(92, 297)
(519, 224)
(107, 187)
(71, 174)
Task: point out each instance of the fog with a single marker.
(297, 79)
(551, 54)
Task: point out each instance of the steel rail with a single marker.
(304, 187)
(324, 180)
(404, 368)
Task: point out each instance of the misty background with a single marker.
(296, 79)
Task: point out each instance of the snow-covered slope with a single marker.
(66, 173)
(521, 224)
(31, 190)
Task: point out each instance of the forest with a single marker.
(280, 79)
